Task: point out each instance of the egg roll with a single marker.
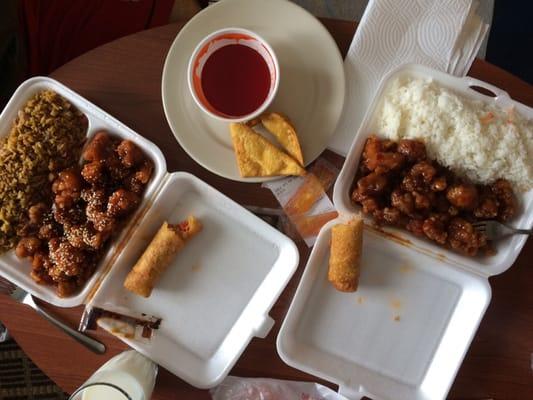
(163, 248)
(345, 255)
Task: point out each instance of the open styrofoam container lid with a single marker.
(404, 333)
(216, 294)
(401, 336)
(18, 271)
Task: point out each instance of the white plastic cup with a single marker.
(215, 41)
(127, 376)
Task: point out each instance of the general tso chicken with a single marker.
(398, 185)
(65, 237)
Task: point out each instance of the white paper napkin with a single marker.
(441, 34)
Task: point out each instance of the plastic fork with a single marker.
(24, 297)
(496, 230)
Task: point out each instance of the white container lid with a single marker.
(401, 336)
(216, 294)
(404, 333)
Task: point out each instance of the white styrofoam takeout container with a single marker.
(217, 294)
(17, 270)
(405, 332)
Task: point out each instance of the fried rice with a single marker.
(47, 136)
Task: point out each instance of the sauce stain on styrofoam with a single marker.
(394, 236)
(406, 268)
(397, 238)
(360, 300)
(396, 304)
(195, 267)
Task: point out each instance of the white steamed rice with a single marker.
(473, 139)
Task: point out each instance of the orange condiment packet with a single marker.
(305, 201)
(316, 182)
(309, 225)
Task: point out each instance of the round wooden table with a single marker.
(124, 78)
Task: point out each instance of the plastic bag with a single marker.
(235, 388)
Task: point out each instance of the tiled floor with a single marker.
(20, 379)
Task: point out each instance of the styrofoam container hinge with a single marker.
(264, 326)
(352, 393)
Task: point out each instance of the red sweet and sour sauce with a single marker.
(235, 80)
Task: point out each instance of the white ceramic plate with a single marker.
(311, 90)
